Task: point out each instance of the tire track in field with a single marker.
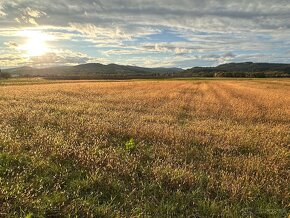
(266, 105)
(239, 104)
(188, 95)
(225, 103)
(215, 102)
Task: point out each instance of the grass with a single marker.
(188, 148)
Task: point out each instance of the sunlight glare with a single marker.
(35, 44)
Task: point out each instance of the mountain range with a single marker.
(245, 69)
(90, 70)
(97, 70)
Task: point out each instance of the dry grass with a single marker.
(204, 148)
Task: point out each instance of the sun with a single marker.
(35, 44)
(35, 47)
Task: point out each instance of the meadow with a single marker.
(175, 148)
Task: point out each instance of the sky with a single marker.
(159, 33)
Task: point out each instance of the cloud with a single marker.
(209, 31)
(218, 58)
(55, 58)
(111, 32)
(221, 15)
(177, 48)
(61, 57)
(28, 15)
(124, 52)
(32, 12)
(11, 44)
(2, 13)
(11, 60)
(94, 31)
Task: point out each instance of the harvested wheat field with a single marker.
(184, 148)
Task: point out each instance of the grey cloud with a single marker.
(229, 55)
(178, 48)
(218, 14)
(217, 57)
(59, 59)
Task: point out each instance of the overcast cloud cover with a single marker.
(183, 33)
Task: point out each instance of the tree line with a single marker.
(4, 75)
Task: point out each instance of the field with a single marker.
(180, 148)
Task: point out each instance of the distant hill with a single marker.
(91, 70)
(114, 71)
(246, 69)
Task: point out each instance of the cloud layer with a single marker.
(180, 33)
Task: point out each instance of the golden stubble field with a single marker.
(202, 148)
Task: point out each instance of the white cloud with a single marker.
(33, 13)
(207, 30)
(63, 57)
(2, 13)
(112, 31)
(11, 44)
(29, 16)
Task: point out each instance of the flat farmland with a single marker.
(180, 148)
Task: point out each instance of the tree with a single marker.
(4, 75)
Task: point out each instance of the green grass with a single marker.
(53, 186)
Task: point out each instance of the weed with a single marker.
(130, 145)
